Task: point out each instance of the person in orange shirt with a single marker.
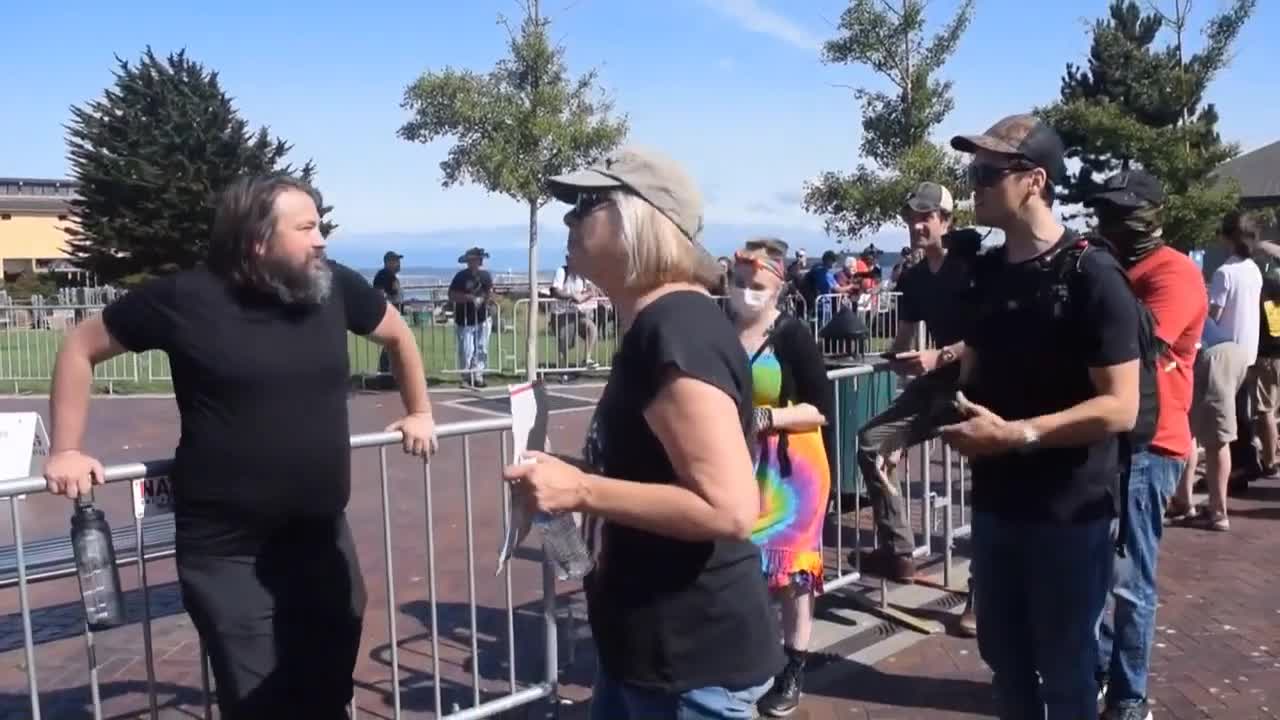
(1128, 209)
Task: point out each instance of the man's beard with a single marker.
(309, 284)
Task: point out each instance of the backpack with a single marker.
(1061, 267)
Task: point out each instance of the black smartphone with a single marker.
(889, 355)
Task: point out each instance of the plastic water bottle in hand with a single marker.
(96, 567)
(563, 544)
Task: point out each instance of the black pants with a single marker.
(912, 418)
(282, 628)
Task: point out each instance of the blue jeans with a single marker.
(473, 350)
(1043, 588)
(1125, 646)
(612, 700)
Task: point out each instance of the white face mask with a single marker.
(747, 302)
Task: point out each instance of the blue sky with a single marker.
(734, 88)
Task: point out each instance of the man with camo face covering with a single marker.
(1128, 210)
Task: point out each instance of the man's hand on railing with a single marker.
(72, 473)
(419, 433)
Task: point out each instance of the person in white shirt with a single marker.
(573, 316)
(1229, 347)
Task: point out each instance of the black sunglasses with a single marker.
(587, 203)
(982, 175)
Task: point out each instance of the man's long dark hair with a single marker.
(244, 221)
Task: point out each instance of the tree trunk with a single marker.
(531, 356)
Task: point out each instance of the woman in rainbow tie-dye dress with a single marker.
(792, 398)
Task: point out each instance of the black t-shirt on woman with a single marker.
(669, 614)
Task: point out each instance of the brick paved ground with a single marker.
(939, 677)
(1217, 654)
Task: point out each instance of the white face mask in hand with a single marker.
(747, 302)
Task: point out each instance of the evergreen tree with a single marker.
(150, 157)
(889, 38)
(514, 127)
(1141, 102)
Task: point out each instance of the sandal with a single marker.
(1177, 514)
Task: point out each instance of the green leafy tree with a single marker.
(524, 121)
(1141, 103)
(890, 39)
(150, 156)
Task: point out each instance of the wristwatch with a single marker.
(1030, 438)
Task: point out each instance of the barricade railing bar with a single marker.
(859, 390)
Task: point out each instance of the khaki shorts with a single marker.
(1220, 372)
(1264, 386)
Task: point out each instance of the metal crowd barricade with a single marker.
(12, 490)
(561, 325)
(840, 574)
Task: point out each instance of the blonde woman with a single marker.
(791, 396)
(678, 606)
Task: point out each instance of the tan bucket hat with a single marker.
(653, 177)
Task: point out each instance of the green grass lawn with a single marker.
(27, 357)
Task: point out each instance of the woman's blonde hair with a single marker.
(657, 253)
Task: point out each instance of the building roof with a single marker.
(45, 196)
(1257, 172)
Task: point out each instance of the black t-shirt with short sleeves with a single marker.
(942, 300)
(261, 389)
(474, 283)
(389, 284)
(1033, 358)
(669, 614)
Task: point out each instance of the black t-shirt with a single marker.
(474, 283)
(1033, 358)
(389, 284)
(261, 389)
(943, 301)
(669, 614)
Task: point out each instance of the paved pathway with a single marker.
(1217, 653)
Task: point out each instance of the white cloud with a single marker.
(753, 16)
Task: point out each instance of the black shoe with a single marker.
(784, 697)
(480, 384)
(1131, 711)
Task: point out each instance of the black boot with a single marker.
(784, 697)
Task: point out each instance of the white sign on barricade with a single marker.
(22, 438)
(152, 496)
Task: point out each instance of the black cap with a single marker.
(1130, 189)
(1024, 136)
(475, 252)
(391, 255)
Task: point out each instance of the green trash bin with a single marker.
(858, 399)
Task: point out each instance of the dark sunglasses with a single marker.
(983, 175)
(588, 202)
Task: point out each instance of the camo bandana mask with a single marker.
(1132, 235)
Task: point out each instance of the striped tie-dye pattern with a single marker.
(792, 507)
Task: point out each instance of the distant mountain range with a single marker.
(508, 246)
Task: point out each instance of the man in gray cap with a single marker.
(1051, 367)
(935, 292)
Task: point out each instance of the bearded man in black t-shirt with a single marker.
(1051, 373)
(257, 340)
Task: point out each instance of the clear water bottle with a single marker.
(96, 566)
(562, 541)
